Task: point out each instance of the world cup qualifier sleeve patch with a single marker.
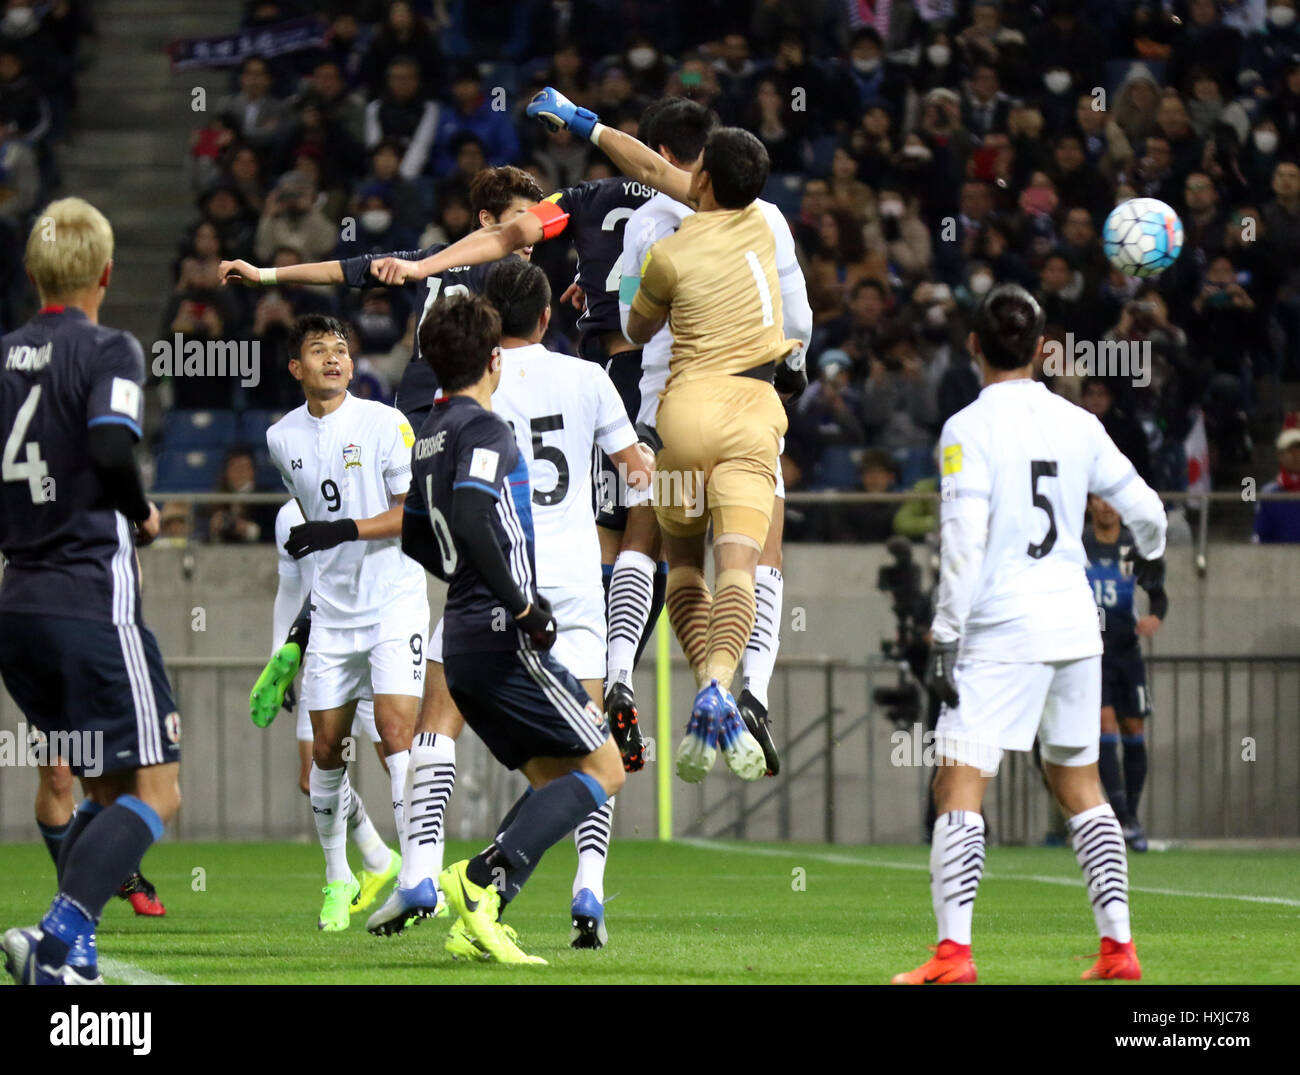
(483, 464)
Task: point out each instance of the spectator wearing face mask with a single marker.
(1203, 41)
(1259, 157)
(373, 229)
(1279, 521)
(899, 231)
(868, 77)
(940, 62)
(1270, 52)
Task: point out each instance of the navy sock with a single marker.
(94, 870)
(606, 574)
(1108, 770)
(86, 813)
(1135, 770)
(513, 812)
(657, 596)
(542, 819)
(53, 836)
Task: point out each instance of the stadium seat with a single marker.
(182, 430)
(187, 471)
(823, 153)
(837, 468)
(254, 424)
(914, 464)
(785, 191)
(267, 477)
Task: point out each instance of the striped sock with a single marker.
(1099, 848)
(592, 837)
(429, 782)
(329, 793)
(765, 638)
(362, 832)
(730, 622)
(689, 602)
(956, 866)
(657, 594)
(631, 590)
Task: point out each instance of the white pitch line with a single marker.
(130, 974)
(1042, 879)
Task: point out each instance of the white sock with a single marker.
(956, 865)
(362, 832)
(1098, 843)
(429, 781)
(397, 764)
(329, 798)
(631, 589)
(592, 837)
(765, 638)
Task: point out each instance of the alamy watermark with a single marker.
(1130, 359)
(179, 357)
(31, 747)
(668, 488)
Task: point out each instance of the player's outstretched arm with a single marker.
(477, 248)
(633, 158)
(314, 272)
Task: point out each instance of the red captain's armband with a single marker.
(553, 218)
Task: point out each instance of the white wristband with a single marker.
(594, 137)
(266, 276)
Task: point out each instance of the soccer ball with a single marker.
(1142, 237)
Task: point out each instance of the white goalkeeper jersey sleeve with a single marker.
(1017, 467)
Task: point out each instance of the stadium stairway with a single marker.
(127, 150)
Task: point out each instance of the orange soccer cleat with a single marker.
(1115, 960)
(950, 965)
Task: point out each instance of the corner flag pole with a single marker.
(664, 724)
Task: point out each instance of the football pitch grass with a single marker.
(702, 912)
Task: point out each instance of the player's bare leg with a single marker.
(1099, 848)
(764, 639)
(956, 866)
(429, 779)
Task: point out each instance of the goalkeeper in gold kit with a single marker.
(714, 282)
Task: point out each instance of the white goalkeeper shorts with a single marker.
(580, 630)
(362, 723)
(1003, 705)
(359, 662)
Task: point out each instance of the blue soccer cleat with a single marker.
(83, 959)
(19, 947)
(698, 750)
(743, 752)
(557, 112)
(588, 915)
(404, 906)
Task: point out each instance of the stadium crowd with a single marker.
(921, 149)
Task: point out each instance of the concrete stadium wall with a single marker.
(240, 783)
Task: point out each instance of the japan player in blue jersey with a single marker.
(469, 521)
(1114, 573)
(75, 653)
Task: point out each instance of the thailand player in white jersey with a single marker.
(347, 461)
(1016, 646)
(560, 408)
(630, 585)
(296, 578)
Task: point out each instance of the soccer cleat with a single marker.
(462, 945)
(744, 755)
(19, 947)
(479, 908)
(620, 711)
(83, 961)
(268, 692)
(142, 896)
(406, 905)
(754, 714)
(1115, 960)
(372, 883)
(338, 897)
(1135, 837)
(588, 915)
(698, 750)
(951, 964)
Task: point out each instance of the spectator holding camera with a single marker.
(293, 218)
(240, 523)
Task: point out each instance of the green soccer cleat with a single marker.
(338, 898)
(373, 883)
(462, 945)
(268, 692)
(479, 909)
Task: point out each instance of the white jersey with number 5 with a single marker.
(558, 407)
(351, 464)
(1017, 467)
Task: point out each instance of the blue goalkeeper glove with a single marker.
(558, 112)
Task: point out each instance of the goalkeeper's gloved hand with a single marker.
(314, 536)
(538, 623)
(558, 112)
(290, 698)
(940, 680)
(791, 376)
